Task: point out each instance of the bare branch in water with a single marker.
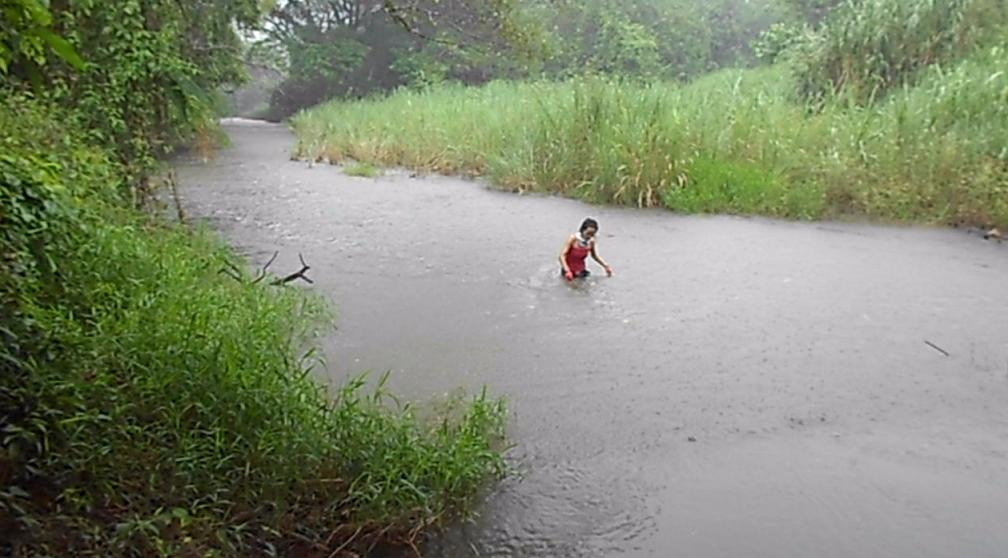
(262, 272)
(299, 274)
(232, 271)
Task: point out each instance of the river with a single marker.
(739, 387)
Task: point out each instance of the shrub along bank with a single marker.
(151, 405)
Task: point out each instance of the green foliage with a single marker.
(19, 37)
(868, 47)
(329, 61)
(720, 185)
(31, 198)
(501, 26)
(419, 43)
(155, 398)
(318, 71)
(147, 83)
(422, 67)
(406, 470)
(735, 25)
(812, 12)
(364, 170)
(142, 80)
(773, 43)
(136, 420)
(381, 45)
(40, 214)
(732, 141)
(671, 39)
(634, 52)
(26, 37)
(607, 38)
(331, 49)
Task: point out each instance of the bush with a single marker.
(152, 405)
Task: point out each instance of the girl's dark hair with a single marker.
(589, 223)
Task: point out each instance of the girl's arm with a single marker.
(602, 263)
(563, 254)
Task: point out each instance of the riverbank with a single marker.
(731, 142)
(158, 398)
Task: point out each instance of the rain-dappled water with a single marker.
(740, 387)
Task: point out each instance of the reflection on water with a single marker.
(741, 387)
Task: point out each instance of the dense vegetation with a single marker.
(873, 46)
(340, 48)
(134, 419)
(155, 399)
(857, 118)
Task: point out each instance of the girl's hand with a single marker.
(569, 275)
(608, 270)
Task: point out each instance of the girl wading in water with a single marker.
(576, 250)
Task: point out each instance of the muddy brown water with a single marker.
(740, 387)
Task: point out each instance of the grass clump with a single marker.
(152, 406)
(733, 141)
(363, 170)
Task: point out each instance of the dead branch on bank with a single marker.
(173, 186)
(232, 271)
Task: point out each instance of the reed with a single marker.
(735, 141)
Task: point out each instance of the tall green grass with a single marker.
(734, 141)
(868, 47)
(151, 405)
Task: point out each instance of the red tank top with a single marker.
(576, 257)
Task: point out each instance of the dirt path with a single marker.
(741, 387)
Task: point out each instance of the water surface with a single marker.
(740, 387)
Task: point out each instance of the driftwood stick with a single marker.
(173, 186)
(299, 274)
(936, 347)
(232, 271)
(262, 272)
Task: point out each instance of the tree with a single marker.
(331, 48)
(670, 39)
(341, 48)
(493, 23)
(149, 70)
(26, 39)
(813, 12)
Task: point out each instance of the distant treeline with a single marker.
(350, 49)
